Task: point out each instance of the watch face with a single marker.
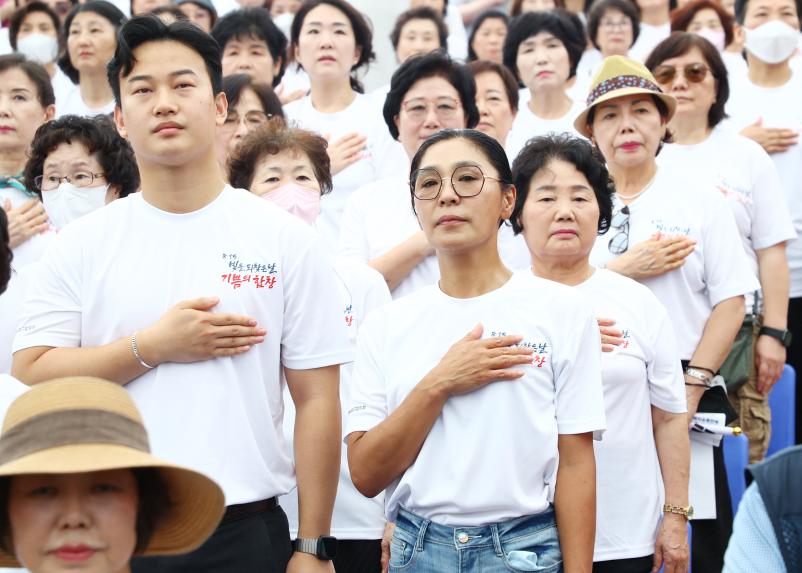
(329, 546)
(690, 511)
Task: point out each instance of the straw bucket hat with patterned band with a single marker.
(618, 77)
(77, 425)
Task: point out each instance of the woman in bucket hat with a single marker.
(677, 236)
(79, 489)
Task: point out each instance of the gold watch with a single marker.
(687, 512)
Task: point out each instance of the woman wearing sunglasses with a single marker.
(674, 234)
(465, 392)
(691, 69)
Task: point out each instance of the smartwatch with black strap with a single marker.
(324, 547)
(784, 336)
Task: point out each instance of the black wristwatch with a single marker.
(324, 548)
(784, 336)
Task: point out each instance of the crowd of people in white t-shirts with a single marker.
(472, 319)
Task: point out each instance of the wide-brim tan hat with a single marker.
(81, 424)
(618, 77)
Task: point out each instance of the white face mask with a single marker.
(38, 48)
(772, 42)
(68, 202)
(715, 37)
(284, 22)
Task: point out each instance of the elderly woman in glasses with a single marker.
(690, 68)
(677, 236)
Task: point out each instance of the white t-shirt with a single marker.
(355, 516)
(62, 87)
(743, 172)
(492, 453)
(10, 390)
(384, 156)
(120, 268)
(648, 38)
(73, 104)
(379, 217)
(643, 371)
(779, 107)
(716, 270)
(457, 42)
(31, 250)
(527, 125)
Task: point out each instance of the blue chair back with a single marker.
(736, 458)
(782, 401)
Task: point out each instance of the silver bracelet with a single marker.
(135, 350)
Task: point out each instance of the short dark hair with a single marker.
(540, 151)
(489, 147)
(600, 8)
(557, 23)
(363, 35)
(434, 64)
(680, 43)
(171, 9)
(681, 17)
(486, 15)
(420, 13)
(234, 85)
(99, 135)
(271, 139)
(517, 6)
(154, 505)
(253, 22)
(510, 85)
(35, 72)
(6, 254)
(100, 7)
(18, 17)
(147, 28)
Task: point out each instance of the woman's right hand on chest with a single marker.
(653, 257)
(473, 362)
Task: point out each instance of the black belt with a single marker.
(246, 510)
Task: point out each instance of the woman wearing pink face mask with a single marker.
(707, 18)
(291, 168)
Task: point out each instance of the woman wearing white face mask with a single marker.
(79, 164)
(34, 32)
(707, 18)
(290, 167)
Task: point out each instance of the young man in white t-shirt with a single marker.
(197, 296)
(766, 107)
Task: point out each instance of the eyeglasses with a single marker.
(80, 179)
(615, 24)
(252, 119)
(693, 73)
(620, 241)
(444, 108)
(467, 181)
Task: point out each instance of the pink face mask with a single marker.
(302, 202)
(715, 37)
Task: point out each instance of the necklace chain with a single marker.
(639, 193)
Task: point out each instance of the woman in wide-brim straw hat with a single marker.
(676, 235)
(79, 488)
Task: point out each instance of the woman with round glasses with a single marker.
(676, 235)
(78, 164)
(465, 393)
(691, 69)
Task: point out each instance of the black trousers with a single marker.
(359, 556)
(709, 537)
(794, 356)
(258, 544)
(632, 565)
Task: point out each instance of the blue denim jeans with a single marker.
(528, 543)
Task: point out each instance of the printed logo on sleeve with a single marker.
(237, 273)
(349, 315)
(540, 350)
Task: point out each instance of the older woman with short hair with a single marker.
(564, 199)
(496, 98)
(684, 255)
(690, 68)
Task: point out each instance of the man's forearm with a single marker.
(114, 361)
(317, 463)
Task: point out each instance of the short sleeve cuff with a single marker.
(670, 406)
(343, 356)
(597, 426)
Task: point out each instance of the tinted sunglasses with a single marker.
(693, 73)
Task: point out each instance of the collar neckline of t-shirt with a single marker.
(471, 300)
(183, 216)
(335, 114)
